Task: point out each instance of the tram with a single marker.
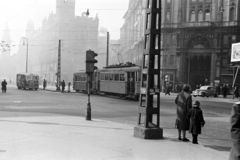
(122, 81)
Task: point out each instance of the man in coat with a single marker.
(44, 83)
(184, 103)
(235, 131)
(4, 86)
(63, 86)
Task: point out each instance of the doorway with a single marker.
(200, 70)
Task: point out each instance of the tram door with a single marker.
(130, 82)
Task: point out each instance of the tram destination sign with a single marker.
(235, 52)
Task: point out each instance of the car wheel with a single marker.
(203, 94)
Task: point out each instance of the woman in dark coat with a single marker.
(224, 90)
(235, 132)
(4, 86)
(184, 103)
(196, 121)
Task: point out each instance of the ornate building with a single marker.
(132, 32)
(196, 38)
(5, 54)
(77, 34)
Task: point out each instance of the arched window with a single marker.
(207, 15)
(193, 16)
(200, 16)
(232, 14)
(168, 17)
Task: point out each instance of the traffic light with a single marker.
(167, 78)
(90, 55)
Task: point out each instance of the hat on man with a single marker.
(196, 104)
(186, 88)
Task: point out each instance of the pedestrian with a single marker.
(196, 121)
(168, 89)
(4, 86)
(44, 83)
(236, 92)
(235, 131)
(224, 91)
(184, 103)
(69, 86)
(63, 86)
(218, 89)
(197, 87)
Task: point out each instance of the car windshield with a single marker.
(204, 87)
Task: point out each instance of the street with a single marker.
(215, 134)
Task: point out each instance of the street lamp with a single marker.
(26, 53)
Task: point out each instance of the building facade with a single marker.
(76, 33)
(196, 38)
(132, 32)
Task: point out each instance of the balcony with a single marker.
(200, 24)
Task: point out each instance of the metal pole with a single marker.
(221, 36)
(88, 114)
(27, 56)
(59, 67)
(235, 76)
(107, 49)
(189, 67)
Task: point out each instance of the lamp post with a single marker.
(221, 38)
(26, 54)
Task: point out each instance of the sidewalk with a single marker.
(54, 89)
(74, 138)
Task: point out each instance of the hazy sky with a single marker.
(17, 12)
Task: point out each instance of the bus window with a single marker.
(116, 77)
(122, 78)
(84, 78)
(106, 76)
(102, 76)
(110, 76)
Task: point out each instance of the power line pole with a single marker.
(27, 55)
(59, 67)
(107, 49)
(150, 78)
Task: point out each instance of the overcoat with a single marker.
(235, 132)
(196, 120)
(4, 85)
(184, 103)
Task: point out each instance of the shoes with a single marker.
(185, 140)
(179, 138)
(195, 142)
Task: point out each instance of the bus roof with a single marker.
(126, 69)
(28, 74)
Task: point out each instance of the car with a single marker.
(205, 91)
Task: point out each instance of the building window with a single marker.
(232, 14)
(200, 16)
(168, 17)
(171, 60)
(193, 16)
(207, 15)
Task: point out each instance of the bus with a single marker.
(27, 81)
